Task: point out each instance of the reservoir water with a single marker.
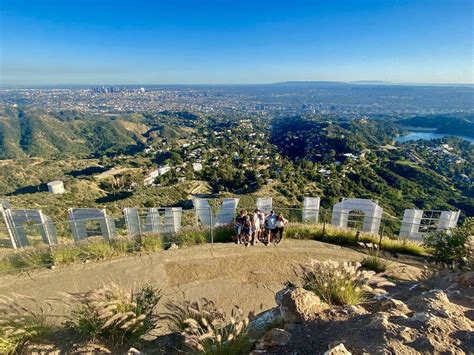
(415, 135)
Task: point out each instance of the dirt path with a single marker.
(226, 273)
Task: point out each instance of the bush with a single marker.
(452, 246)
(335, 283)
(205, 330)
(191, 237)
(150, 243)
(21, 321)
(374, 263)
(123, 245)
(96, 249)
(66, 255)
(224, 234)
(114, 314)
(31, 257)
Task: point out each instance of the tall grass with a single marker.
(94, 249)
(373, 260)
(343, 236)
(224, 234)
(205, 329)
(335, 283)
(150, 243)
(114, 314)
(22, 320)
(191, 237)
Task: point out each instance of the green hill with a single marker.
(33, 133)
(457, 125)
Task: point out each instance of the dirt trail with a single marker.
(226, 273)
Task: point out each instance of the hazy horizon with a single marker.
(138, 85)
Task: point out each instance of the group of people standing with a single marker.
(252, 228)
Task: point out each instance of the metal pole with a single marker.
(8, 226)
(211, 225)
(381, 234)
(324, 226)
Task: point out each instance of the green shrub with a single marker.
(191, 237)
(64, 255)
(31, 258)
(452, 246)
(150, 243)
(224, 234)
(5, 265)
(373, 260)
(96, 249)
(374, 263)
(114, 314)
(123, 245)
(22, 320)
(335, 283)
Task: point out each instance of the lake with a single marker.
(415, 135)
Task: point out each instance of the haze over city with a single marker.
(210, 41)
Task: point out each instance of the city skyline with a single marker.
(220, 42)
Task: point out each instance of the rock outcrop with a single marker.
(298, 305)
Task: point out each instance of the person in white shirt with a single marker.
(256, 227)
(279, 227)
(270, 225)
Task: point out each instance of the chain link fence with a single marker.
(170, 222)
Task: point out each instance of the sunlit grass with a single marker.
(342, 236)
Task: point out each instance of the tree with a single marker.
(451, 246)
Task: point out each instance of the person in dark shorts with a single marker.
(239, 222)
(270, 225)
(246, 234)
(279, 227)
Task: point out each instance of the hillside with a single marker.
(351, 157)
(461, 124)
(33, 133)
(284, 158)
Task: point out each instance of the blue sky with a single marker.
(179, 41)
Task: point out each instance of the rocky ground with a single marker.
(427, 317)
(412, 313)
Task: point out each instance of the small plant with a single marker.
(123, 245)
(96, 249)
(64, 255)
(22, 320)
(191, 237)
(373, 260)
(223, 234)
(178, 312)
(374, 263)
(150, 243)
(31, 257)
(114, 314)
(451, 246)
(336, 283)
(205, 330)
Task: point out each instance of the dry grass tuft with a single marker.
(114, 314)
(205, 329)
(337, 283)
(22, 320)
